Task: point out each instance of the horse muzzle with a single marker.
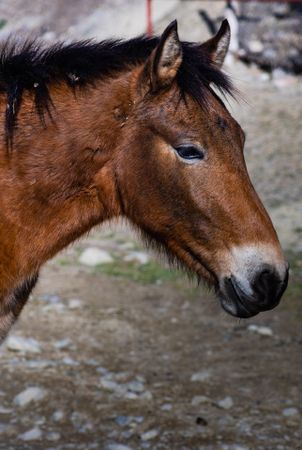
(243, 298)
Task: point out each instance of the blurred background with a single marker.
(114, 350)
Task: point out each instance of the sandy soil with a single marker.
(154, 363)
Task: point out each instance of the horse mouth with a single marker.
(234, 302)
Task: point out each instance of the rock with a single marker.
(255, 46)
(264, 331)
(110, 385)
(75, 303)
(93, 256)
(41, 364)
(135, 386)
(147, 395)
(51, 298)
(199, 400)
(118, 447)
(70, 361)
(31, 394)
(290, 412)
(5, 410)
(21, 344)
(204, 375)
(148, 435)
(139, 257)
(31, 435)
(53, 436)
(58, 416)
(62, 344)
(123, 420)
(166, 407)
(225, 403)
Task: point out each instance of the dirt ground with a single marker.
(130, 355)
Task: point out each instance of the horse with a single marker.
(133, 129)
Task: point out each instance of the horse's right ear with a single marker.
(165, 60)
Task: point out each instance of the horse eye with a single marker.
(189, 152)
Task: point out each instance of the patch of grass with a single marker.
(150, 273)
(3, 22)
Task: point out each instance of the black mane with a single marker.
(32, 67)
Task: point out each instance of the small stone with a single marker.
(131, 396)
(51, 298)
(109, 385)
(290, 412)
(199, 400)
(70, 361)
(31, 435)
(62, 344)
(135, 386)
(58, 415)
(21, 344)
(166, 407)
(148, 435)
(123, 420)
(263, 331)
(5, 410)
(41, 364)
(31, 394)
(94, 256)
(225, 403)
(75, 303)
(53, 436)
(201, 376)
(255, 46)
(147, 395)
(118, 447)
(140, 257)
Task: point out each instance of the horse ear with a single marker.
(217, 47)
(166, 58)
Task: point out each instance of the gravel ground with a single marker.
(116, 352)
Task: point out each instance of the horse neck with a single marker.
(59, 180)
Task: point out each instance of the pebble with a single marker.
(290, 412)
(139, 257)
(31, 394)
(93, 256)
(201, 376)
(53, 436)
(135, 386)
(41, 364)
(31, 435)
(51, 298)
(166, 407)
(118, 447)
(225, 403)
(75, 303)
(263, 331)
(58, 415)
(255, 46)
(21, 344)
(5, 410)
(70, 361)
(200, 399)
(148, 435)
(62, 344)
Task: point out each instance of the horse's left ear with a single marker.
(217, 47)
(166, 58)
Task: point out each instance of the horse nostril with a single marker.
(269, 287)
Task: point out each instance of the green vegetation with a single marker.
(2, 23)
(150, 273)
